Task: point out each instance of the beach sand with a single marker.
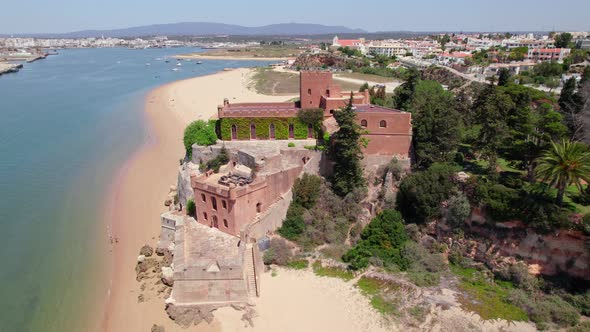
(137, 195)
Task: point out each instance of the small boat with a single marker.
(158, 59)
(148, 64)
(178, 64)
(199, 62)
(175, 69)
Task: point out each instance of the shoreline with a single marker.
(135, 197)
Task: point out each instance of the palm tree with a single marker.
(565, 163)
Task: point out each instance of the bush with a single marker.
(306, 190)
(459, 209)
(421, 194)
(293, 226)
(543, 309)
(191, 208)
(383, 238)
(199, 132)
(278, 253)
(291, 145)
(221, 159)
(585, 226)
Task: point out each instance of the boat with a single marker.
(178, 64)
(148, 64)
(158, 59)
(199, 62)
(175, 69)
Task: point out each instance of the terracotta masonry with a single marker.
(389, 131)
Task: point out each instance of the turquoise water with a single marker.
(67, 124)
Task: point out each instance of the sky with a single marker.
(56, 16)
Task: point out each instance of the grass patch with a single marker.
(367, 77)
(332, 271)
(376, 290)
(269, 82)
(300, 264)
(487, 299)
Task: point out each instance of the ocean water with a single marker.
(67, 124)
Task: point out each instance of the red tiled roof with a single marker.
(349, 42)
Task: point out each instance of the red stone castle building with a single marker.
(389, 131)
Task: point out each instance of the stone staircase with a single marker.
(250, 270)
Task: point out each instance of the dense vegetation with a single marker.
(317, 216)
(199, 132)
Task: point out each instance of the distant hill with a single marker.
(204, 29)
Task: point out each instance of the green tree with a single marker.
(420, 195)
(346, 152)
(518, 53)
(198, 132)
(563, 40)
(567, 96)
(404, 93)
(436, 123)
(563, 164)
(491, 108)
(503, 77)
(552, 83)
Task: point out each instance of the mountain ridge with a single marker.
(201, 29)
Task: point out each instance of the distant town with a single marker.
(476, 56)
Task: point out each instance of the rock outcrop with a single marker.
(184, 189)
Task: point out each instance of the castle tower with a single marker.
(312, 86)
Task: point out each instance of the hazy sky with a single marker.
(377, 15)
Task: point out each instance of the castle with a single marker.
(389, 131)
(217, 255)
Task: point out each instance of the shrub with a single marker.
(291, 145)
(191, 208)
(383, 238)
(221, 159)
(199, 132)
(459, 209)
(293, 226)
(278, 253)
(543, 309)
(306, 190)
(421, 194)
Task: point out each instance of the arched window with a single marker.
(224, 204)
(271, 130)
(327, 92)
(252, 131)
(309, 92)
(205, 215)
(364, 123)
(214, 203)
(383, 124)
(225, 223)
(234, 132)
(215, 223)
(309, 131)
(291, 131)
(203, 198)
(258, 207)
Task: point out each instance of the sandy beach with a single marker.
(137, 194)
